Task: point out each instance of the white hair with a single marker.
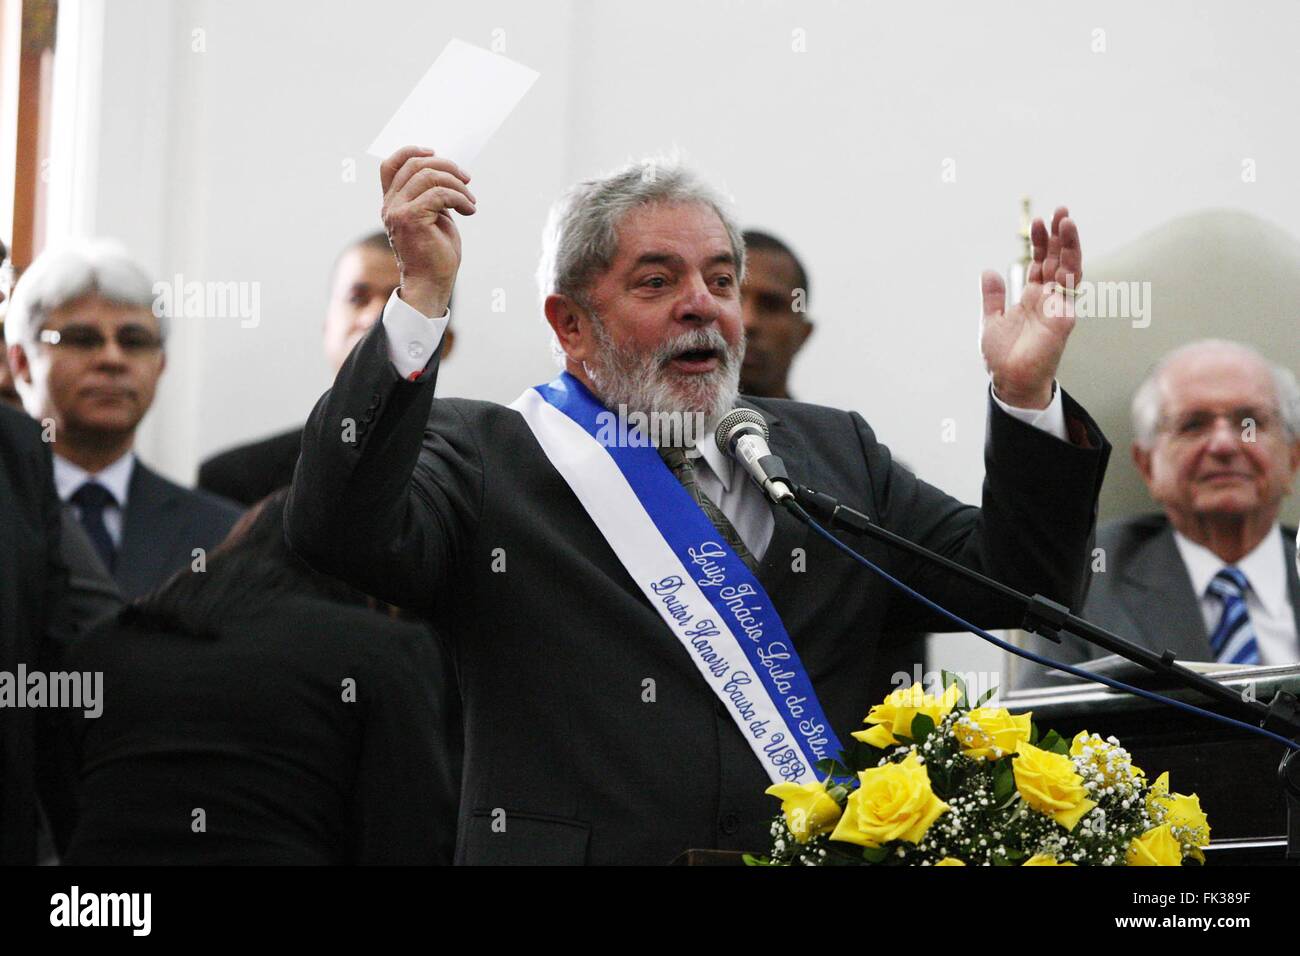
(580, 240)
(1146, 406)
(62, 274)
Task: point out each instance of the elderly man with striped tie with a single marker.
(1213, 577)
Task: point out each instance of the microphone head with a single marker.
(737, 422)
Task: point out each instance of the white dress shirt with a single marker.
(116, 478)
(1267, 601)
(413, 338)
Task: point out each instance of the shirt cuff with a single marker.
(1050, 419)
(413, 337)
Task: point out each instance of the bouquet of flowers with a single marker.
(936, 782)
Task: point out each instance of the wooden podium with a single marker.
(1233, 772)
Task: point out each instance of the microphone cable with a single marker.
(798, 511)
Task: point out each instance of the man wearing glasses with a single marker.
(87, 351)
(1213, 577)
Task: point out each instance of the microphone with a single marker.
(742, 435)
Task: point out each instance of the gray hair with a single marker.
(65, 273)
(580, 240)
(1146, 400)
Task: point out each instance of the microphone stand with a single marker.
(1048, 618)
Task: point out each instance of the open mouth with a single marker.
(696, 360)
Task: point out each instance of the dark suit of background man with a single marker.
(87, 352)
(1213, 577)
(364, 276)
(553, 652)
(42, 607)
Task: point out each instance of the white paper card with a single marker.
(457, 106)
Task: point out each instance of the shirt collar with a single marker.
(1264, 568)
(116, 477)
(723, 465)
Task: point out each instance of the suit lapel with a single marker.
(150, 533)
(1157, 591)
(1292, 580)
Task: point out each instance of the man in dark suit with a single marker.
(591, 736)
(364, 276)
(87, 352)
(32, 583)
(51, 589)
(1212, 578)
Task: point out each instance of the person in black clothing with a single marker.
(260, 713)
(364, 276)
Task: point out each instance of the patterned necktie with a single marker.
(1233, 639)
(91, 499)
(683, 467)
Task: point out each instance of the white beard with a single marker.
(647, 383)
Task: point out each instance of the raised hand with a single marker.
(420, 190)
(1022, 345)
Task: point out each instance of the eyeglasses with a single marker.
(1195, 425)
(86, 339)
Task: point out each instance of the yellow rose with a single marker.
(1112, 763)
(893, 802)
(1157, 847)
(877, 736)
(1048, 782)
(897, 711)
(991, 733)
(1182, 812)
(950, 861)
(1158, 796)
(809, 810)
(1042, 859)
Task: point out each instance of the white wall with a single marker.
(227, 165)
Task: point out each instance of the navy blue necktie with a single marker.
(91, 499)
(1233, 639)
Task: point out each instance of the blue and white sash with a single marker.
(697, 583)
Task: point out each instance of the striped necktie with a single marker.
(684, 469)
(1233, 640)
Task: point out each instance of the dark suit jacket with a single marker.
(162, 526)
(1145, 595)
(92, 593)
(249, 473)
(253, 725)
(33, 582)
(564, 761)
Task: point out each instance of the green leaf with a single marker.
(829, 767)
(986, 696)
(922, 727)
(1055, 743)
(859, 756)
(751, 860)
(1004, 780)
(1033, 733)
(874, 854)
